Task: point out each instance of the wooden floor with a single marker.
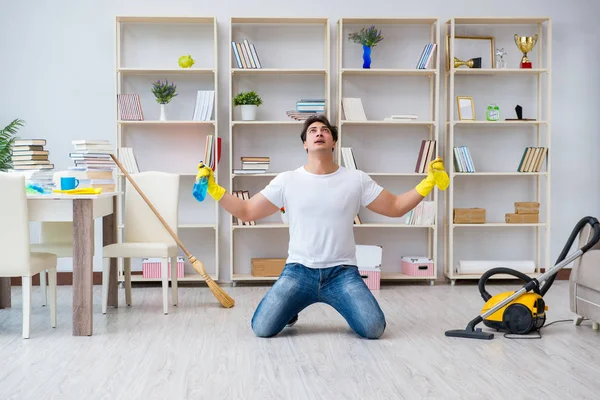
(203, 351)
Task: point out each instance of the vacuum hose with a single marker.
(542, 291)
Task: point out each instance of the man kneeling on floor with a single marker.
(321, 200)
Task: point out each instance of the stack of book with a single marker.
(532, 159)
(245, 55)
(402, 117)
(423, 214)
(29, 154)
(462, 160)
(305, 108)
(93, 165)
(426, 154)
(253, 165)
(205, 100)
(426, 56)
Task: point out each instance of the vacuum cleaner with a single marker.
(522, 311)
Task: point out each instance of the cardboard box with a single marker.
(469, 215)
(417, 266)
(151, 268)
(527, 207)
(522, 218)
(267, 266)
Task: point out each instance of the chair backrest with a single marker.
(14, 223)
(141, 225)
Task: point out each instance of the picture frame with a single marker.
(466, 108)
(468, 47)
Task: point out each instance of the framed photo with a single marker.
(466, 108)
(469, 47)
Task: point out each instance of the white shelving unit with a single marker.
(295, 58)
(388, 150)
(148, 49)
(497, 146)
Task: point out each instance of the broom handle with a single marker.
(187, 253)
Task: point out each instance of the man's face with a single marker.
(318, 138)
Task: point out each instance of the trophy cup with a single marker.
(525, 44)
(472, 63)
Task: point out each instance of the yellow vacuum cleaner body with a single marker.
(524, 314)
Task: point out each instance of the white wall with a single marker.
(58, 74)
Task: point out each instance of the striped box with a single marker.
(151, 268)
(371, 276)
(417, 266)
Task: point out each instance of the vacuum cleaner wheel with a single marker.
(518, 319)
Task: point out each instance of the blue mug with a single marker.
(68, 182)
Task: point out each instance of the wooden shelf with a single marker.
(197, 226)
(167, 20)
(388, 71)
(390, 21)
(399, 276)
(386, 123)
(278, 71)
(498, 71)
(279, 20)
(476, 136)
(395, 174)
(499, 173)
(175, 122)
(392, 225)
(268, 174)
(187, 277)
(259, 123)
(262, 225)
(497, 225)
(497, 123)
(163, 71)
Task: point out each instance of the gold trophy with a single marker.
(525, 44)
(472, 63)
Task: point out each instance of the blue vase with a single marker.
(366, 56)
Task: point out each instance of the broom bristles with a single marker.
(221, 295)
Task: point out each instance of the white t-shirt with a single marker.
(321, 211)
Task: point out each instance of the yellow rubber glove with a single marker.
(216, 191)
(436, 176)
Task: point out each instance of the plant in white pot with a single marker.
(164, 93)
(7, 140)
(249, 102)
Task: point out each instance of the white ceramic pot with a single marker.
(248, 112)
(163, 112)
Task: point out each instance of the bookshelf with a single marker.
(388, 149)
(291, 63)
(147, 50)
(497, 148)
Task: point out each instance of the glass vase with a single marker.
(366, 56)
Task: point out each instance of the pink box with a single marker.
(151, 268)
(371, 276)
(417, 266)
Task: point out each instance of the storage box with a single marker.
(417, 266)
(469, 215)
(522, 218)
(371, 276)
(151, 268)
(267, 266)
(527, 207)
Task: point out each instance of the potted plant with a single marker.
(368, 38)
(249, 101)
(164, 93)
(7, 140)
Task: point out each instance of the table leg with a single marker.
(5, 293)
(83, 256)
(109, 236)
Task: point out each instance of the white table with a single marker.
(82, 210)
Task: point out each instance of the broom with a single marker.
(219, 293)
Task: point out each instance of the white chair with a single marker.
(16, 258)
(55, 238)
(145, 236)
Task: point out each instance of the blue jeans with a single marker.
(299, 286)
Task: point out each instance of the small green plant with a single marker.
(367, 36)
(247, 98)
(7, 140)
(164, 92)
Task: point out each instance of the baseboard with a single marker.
(66, 278)
(62, 278)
